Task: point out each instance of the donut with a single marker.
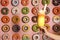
(16, 36)
(15, 2)
(25, 37)
(47, 10)
(45, 37)
(55, 2)
(25, 19)
(56, 10)
(4, 2)
(5, 36)
(47, 19)
(25, 10)
(36, 37)
(35, 10)
(15, 10)
(47, 26)
(5, 19)
(45, 2)
(35, 2)
(15, 28)
(15, 19)
(56, 19)
(35, 28)
(25, 28)
(24, 2)
(4, 11)
(34, 19)
(56, 28)
(5, 28)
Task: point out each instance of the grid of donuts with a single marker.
(25, 18)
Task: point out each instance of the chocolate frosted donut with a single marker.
(34, 19)
(56, 10)
(4, 11)
(56, 28)
(16, 28)
(55, 2)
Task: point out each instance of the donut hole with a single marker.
(56, 28)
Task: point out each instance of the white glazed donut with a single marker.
(35, 2)
(15, 2)
(36, 37)
(5, 37)
(15, 10)
(56, 19)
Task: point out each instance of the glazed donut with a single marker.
(56, 19)
(25, 37)
(34, 19)
(5, 37)
(35, 2)
(16, 28)
(15, 19)
(47, 10)
(47, 19)
(5, 28)
(45, 2)
(15, 2)
(56, 28)
(25, 10)
(45, 37)
(56, 10)
(4, 11)
(25, 19)
(25, 28)
(4, 2)
(35, 10)
(55, 2)
(24, 2)
(36, 37)
(5, 19)
(15, 10)
(16, 36)
(35, 28)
